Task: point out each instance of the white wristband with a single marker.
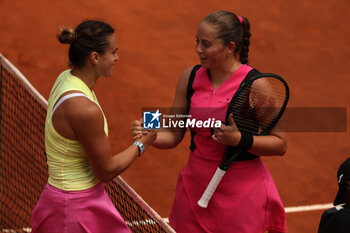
(140, 146)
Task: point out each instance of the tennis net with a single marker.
(23, 167)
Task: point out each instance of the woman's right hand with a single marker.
(146, 137)
(137, 131)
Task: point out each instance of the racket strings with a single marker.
(258, 105)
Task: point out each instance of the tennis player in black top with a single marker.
(337, 219)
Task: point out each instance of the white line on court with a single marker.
(308, 208)
(26, 229)
(295, 209)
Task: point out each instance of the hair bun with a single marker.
(67, 36)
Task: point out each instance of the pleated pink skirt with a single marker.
(246, 200)
(88, 211)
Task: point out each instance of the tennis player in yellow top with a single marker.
(78, 151)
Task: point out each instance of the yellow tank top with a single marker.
(69, 168)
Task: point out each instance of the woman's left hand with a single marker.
(227, 134)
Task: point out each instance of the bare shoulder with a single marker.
(184, 78)
(260, 83)
(186, 74)
(81, 110)
(180, 100)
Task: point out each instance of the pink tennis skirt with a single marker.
(88, 211)
(246, 200)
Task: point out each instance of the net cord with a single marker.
(11, 68)
(143, 204)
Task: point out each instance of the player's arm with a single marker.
(275, 143)
(86, 120)
(171, 137)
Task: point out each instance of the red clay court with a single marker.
(304, 41)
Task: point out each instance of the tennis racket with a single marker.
(257, 106)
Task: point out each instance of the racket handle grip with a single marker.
(209, 191)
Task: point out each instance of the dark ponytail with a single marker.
(232, 28)
(243, 54)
